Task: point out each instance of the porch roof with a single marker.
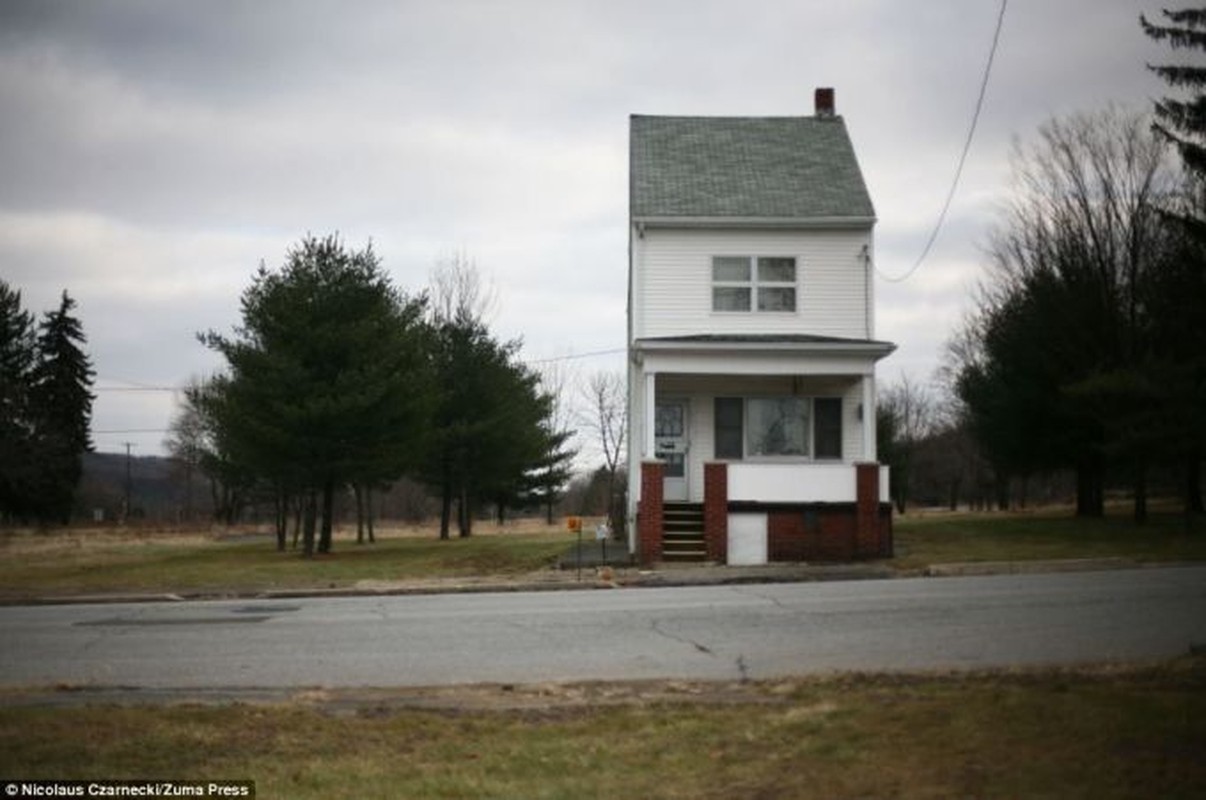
(801, 342)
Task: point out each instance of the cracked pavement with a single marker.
(726, 633)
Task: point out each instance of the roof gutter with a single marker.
(753, 222)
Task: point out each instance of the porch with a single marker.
(761, 513)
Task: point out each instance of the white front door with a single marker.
(670, 436)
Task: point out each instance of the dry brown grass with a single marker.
(1116, 732)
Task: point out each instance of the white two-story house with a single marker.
(751, 342)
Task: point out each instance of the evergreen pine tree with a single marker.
(1183, 121)
(1177, 293)
(61, 396)
(17, 353)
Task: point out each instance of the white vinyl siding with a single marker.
(673, 282)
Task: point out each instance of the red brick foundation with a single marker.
(866, 534)
(823, 532)
(716, 511)
(650, 512)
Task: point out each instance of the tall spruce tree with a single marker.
(18, 349)
(61, 394)
(1182, 121)
(1177, 295)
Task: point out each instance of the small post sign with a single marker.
(574, 524)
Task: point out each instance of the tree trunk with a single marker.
(308, 532)
(1193, 483)
(445, 509)
(1001, 490)
(298, 508)
(1090, 491)
(188, 491)
(368, 502)
(464, 515)
(356, 490)
(1140, 493)
(328, 510)
(282, 520)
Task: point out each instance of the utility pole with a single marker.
(129, 483)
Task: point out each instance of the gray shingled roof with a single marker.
(767, 167)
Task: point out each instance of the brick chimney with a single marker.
(823, 100)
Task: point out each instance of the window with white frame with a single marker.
(772, 427)
(777, 426)
(754, 283)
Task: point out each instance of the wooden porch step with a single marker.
(684, 546)
(683, 532)
(685, 517)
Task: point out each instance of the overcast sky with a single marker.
(153, 153)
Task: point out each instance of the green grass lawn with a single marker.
(936, 538)
(1106, 733)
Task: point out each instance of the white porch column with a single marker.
(869, 444)
(650, 441)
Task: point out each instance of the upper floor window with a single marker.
(753, 283)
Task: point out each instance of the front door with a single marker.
(670, 437)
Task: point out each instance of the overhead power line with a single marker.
(574, 356)
(971, 132)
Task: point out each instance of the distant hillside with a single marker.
(157, 488)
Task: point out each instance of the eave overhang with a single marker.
(814, 223)
(796, 345)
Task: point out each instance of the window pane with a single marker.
(776, 299)
(777, 270)
(730, 298)
(778, 426)
(668, 419)
(729, 423)
(828, 411)
(730, 268)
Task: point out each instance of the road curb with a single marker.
(669, 578)
(977, 568)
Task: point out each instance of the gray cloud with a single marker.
(155, 152)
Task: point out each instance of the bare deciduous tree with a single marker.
(458, 291)
(605, 418)
(912, 412)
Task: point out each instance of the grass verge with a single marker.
(83, 562)
(71, 563)
(923, 538)
(1101, 733)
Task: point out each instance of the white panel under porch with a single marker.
(798, 483)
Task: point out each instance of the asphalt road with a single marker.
(719, 632)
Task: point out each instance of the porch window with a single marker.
(778, 426)
(754, 283)
(729, 427)
(803, 427)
